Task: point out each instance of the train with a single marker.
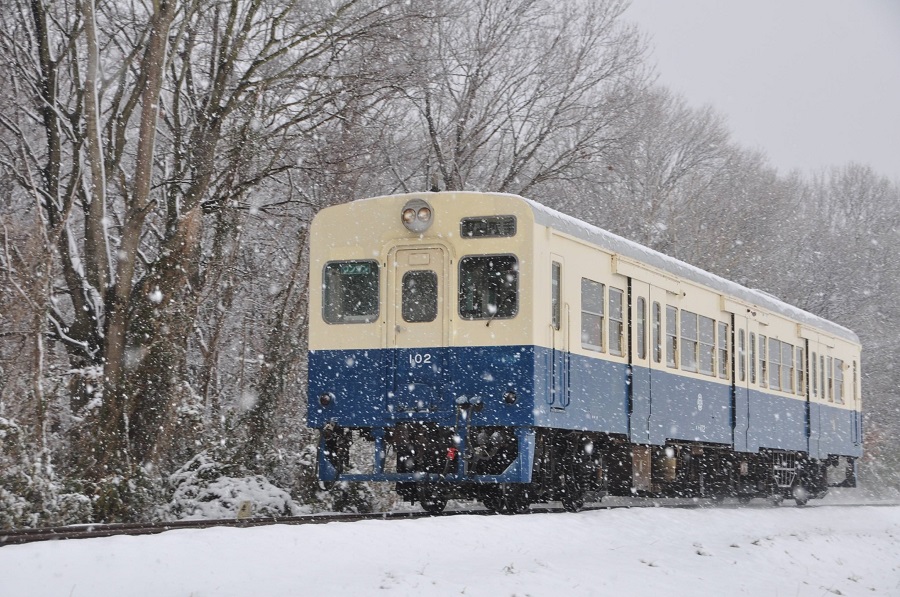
(482, 346)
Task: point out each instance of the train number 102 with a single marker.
(418, 358)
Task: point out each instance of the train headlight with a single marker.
(325, 399)
(417, 215)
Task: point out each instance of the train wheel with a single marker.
(505, 498)
(573, 489)
(800, 494)
(434, 505)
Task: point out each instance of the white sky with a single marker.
(812, 83)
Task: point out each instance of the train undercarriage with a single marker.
(571, 467)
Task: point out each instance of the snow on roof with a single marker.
(616, 244)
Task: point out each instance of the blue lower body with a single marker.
(467, 388)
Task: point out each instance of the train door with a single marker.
(559, 336)
(816, 394)
(417, 327)
(742, 376)
(640, 351)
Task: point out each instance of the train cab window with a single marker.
(723, 350)
(689, 341)
(752, 357)
(762, 361)
(671, 336)
(657, 333)
(350, 292)
(591, 315)
(641, 317)
(707, 346)
(742, 355)
(420, 296)
(838, 381)
(801, 378)
(488, 287)
(813, 375)
(616, 321)
(556, 295)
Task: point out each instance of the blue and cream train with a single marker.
(471, 345)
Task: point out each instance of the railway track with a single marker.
(20, 536)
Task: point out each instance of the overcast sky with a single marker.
(812, 83)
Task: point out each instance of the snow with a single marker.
(755, 550)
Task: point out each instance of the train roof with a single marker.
(616, 244)
(613, 243)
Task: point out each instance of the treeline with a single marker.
(161, 163)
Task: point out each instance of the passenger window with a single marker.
(813, 374)
(657, 333)
(671, 335)
(688, 341)
(822, 378)
(838, 381)
(787, 367)
(801, 378)
(762, 361)
(752, 357)
(350, 292)
(641, 328)
(555, 295)
(591, 315)
(830, 376)
(723, 350)
(855, 386)
(488, 287)
(707, 345)
(616, 321)
(742, 355)
(420, 296)
(774, 364)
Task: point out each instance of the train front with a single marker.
(421, 363)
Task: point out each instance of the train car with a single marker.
(483, 346)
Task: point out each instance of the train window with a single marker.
(688, 341)
(855, 386)
(774, 364)
(657, 333)
(488, 287)
(801, 378)
(350, 292)
(707, 345)
(742, 355)
(752, 357)
(723, 350)
(616, 321)
(813, 375)
(420, 296)
(838, 381)
(787, 367)
(762, 361)
(641, 328)
(822, 377)
(555, 295)
(487, 227)
(591, 315)
(829, 374)
(671, 336)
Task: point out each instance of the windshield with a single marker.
(488, 287)
(350, 292)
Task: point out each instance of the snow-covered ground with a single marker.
(758, 550)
